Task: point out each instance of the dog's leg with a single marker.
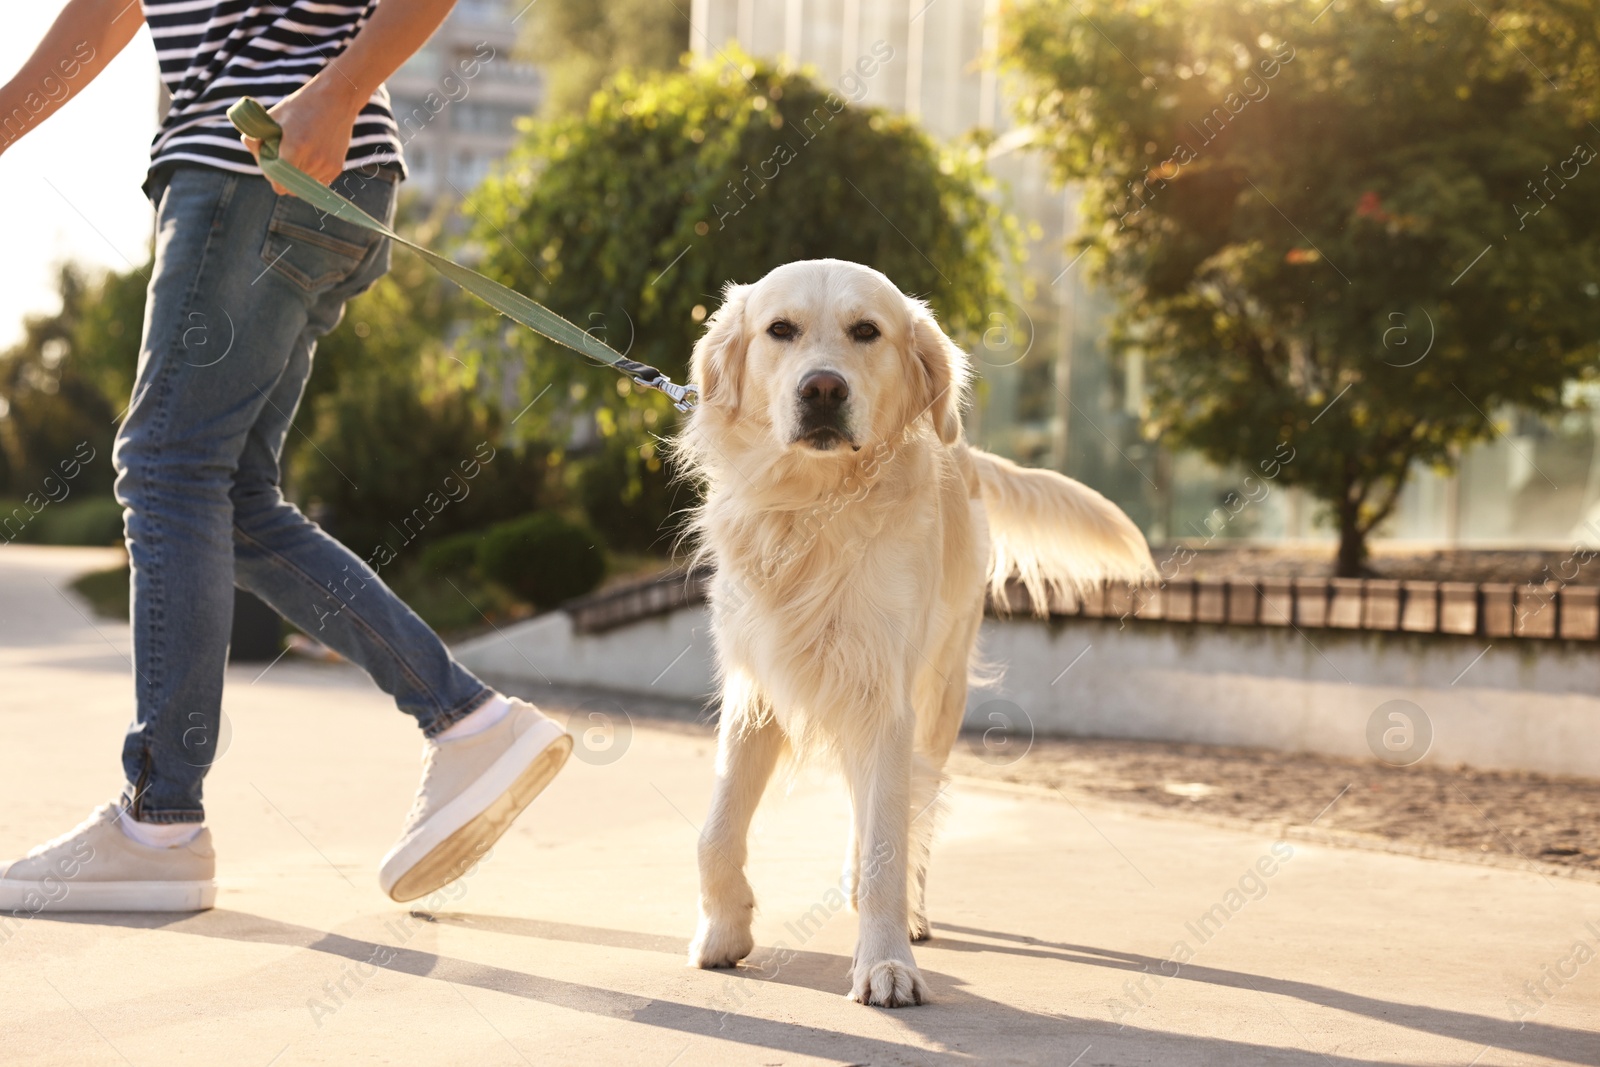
(884, 972)
(850, 877)
(944, 709)
(941, 704)
(748, 746)
(927, 794)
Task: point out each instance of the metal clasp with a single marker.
(683, 396)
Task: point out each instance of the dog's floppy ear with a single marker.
(718, 361)
(940, 376)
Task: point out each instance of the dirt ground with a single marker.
(1503, 818)
(1498, 816)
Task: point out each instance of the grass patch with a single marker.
(95, 520)
(456, 605)
(469, 606)
(106, 591)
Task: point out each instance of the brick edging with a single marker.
(1484, 609)
(658, 595)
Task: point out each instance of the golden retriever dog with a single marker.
(854, 532)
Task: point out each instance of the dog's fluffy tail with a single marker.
(1055, 535)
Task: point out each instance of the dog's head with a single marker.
(827, 355)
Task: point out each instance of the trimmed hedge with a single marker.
(89, 521)
(543, 558)
(453, 555)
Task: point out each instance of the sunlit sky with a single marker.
(70, 188)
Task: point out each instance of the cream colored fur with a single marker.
(850, 583)
(1053, 534)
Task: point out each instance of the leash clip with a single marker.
(683, 396)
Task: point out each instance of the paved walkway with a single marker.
(1063, 935)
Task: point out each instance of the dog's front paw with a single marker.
(919, 927)
(888, 984)
(720, 944)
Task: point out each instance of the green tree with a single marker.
(1344, 235)
(63, 384)
(105, 337)
(580, 43)
(632, 506)
(630, 219)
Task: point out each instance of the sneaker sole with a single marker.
(20, 898)
(496, 807)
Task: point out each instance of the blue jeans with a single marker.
(245, 281)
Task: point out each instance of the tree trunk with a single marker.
(1352, 558)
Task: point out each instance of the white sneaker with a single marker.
(472, 789)
(97, 867)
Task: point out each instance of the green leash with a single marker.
(252, 119)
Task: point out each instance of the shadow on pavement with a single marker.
(1573, 1046)
(957, 1020)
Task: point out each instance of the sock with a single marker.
(477, 720)
(160, 834)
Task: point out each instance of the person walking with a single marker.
(197, 457)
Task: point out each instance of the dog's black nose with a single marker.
(823, 388)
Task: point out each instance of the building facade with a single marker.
(458, 100)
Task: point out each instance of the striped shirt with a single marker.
(212, 52)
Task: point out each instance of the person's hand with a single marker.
(317, 120)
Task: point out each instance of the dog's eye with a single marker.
(864, 331)
(783, 330)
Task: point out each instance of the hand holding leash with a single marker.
(318, 132)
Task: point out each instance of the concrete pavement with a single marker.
(1065, 933)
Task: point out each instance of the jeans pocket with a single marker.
(313, 250)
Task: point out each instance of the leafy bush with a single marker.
(543, 558)
(453, 605)
(95, 521)
(16, 521)
(629, 498)
(453, 555)
(402, 461)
